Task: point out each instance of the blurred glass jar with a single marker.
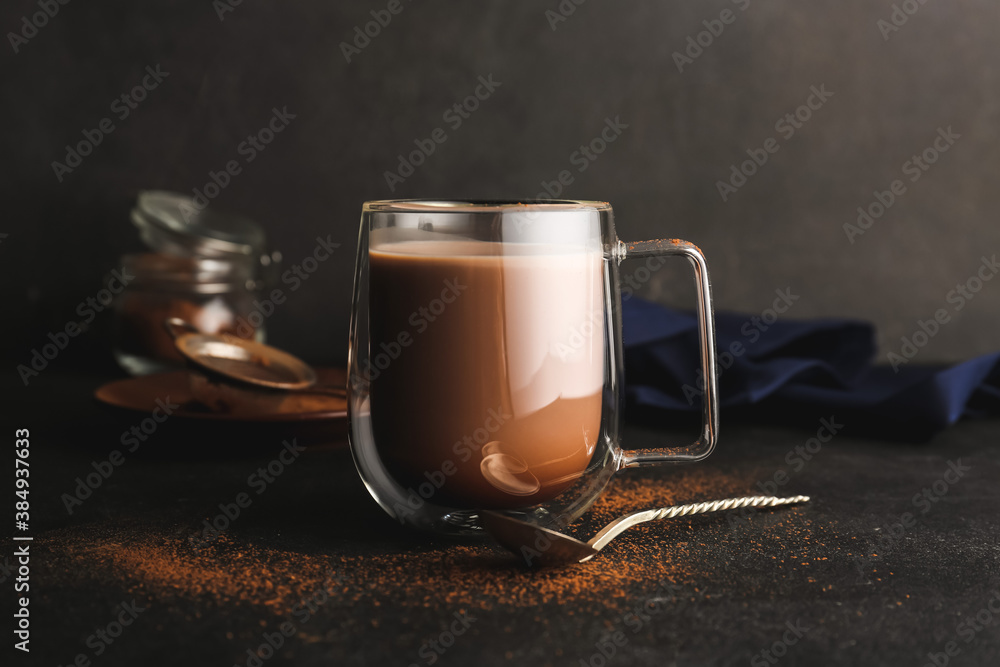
(205, 267)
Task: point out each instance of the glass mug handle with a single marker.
(704, 445)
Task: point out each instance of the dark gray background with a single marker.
(609, 59)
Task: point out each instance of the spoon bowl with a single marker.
(245, 361)
(535, 543)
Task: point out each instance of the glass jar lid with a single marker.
(177, 225)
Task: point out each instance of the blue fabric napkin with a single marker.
(793, 367)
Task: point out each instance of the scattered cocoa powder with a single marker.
(705, 552)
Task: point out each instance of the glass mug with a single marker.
(485, 369)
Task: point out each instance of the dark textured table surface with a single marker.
(896, 558)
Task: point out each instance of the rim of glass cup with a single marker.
(484, 205)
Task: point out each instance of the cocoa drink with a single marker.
(487, 367)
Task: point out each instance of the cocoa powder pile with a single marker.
(155, 562)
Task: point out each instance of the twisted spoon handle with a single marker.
(615, 528)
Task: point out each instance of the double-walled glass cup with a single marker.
(485, 364)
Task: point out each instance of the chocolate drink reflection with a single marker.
(494, 394)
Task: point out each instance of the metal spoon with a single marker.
(245, 361)
(543, 546)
